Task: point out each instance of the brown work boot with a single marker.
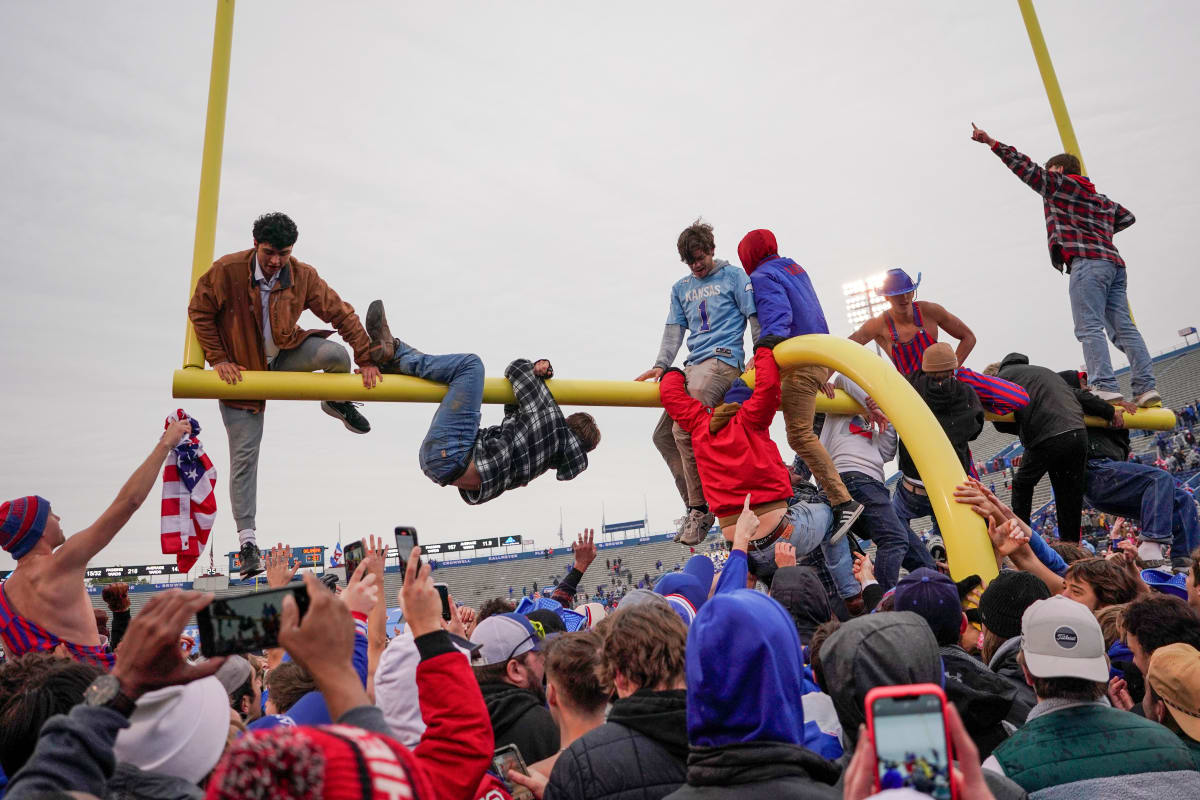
(383, 345)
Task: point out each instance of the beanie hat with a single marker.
(335, 762)
(934, 597)
(22, 522)
(939, 357)
(1006, 598)
(179, 730)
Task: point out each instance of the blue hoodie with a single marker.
(744, 673)
(787, 303)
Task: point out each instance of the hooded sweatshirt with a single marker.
(739, 457)
(519, 718)
(786, 301)
(745, 717)
(957, 409)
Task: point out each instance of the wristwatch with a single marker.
(106, 692)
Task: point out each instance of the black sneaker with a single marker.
(348, 414)
(844, 516)
(383, 346)
(251, 563)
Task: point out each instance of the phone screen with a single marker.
(406, 540)
(354, 556)
(247, 623)
(506, 758)
(444, 592)
(910, 744)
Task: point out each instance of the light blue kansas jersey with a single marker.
(714, 310)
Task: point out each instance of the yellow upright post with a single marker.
(210, 167)
(1050, 80)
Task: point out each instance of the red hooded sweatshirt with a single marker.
(740, 458)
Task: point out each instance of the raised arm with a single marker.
(995, 394)
(681, 406)
(83, 546)
(530, 390)
(953, 326)
(1037, 178)
(760, 408)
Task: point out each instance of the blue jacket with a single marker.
(787, 304)
(744, 673)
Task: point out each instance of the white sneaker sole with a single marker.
(847, 522)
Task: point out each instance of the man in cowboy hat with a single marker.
(908, 328)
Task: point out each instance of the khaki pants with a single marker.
(800, 386)
(707, 381)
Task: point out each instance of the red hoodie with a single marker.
(740, 458)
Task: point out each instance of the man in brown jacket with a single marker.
(244, 311)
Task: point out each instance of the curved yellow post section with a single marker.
(1144, 419)
(210, 167)
(967, 546)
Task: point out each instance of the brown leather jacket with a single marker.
(227, 314)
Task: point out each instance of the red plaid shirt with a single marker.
(1080, 222)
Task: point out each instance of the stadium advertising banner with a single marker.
(131, 572)
(469, 545)
(312, 557)
(632, 525)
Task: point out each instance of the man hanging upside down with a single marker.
(485, 463)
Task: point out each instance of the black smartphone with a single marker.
(353, 556)
(443, 591)
(406, 540)
(855, 544)
(247, 623)
(506, 758)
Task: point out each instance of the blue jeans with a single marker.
(1148, 494)
(446, 452)
(895, 544)
(1099, 306)
(812, 524)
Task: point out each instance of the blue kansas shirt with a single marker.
(714, 309)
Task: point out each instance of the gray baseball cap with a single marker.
(501, 637)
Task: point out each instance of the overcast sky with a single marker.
(511, 178)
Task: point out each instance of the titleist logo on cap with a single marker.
(1066, 637)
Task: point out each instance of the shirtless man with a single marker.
(910, 326)
(44, 603)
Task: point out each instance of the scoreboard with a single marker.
(312, 557)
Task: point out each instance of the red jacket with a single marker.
(456, 749)
(740, 458)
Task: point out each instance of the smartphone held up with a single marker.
(907, 725)
(246, 624)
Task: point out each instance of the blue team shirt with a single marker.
(714, 310)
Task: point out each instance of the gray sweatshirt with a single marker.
(850, 440)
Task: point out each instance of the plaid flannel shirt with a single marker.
(532, 438)
(1080, 222)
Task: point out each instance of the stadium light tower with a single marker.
(862, 301)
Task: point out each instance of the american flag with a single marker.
(189, 499)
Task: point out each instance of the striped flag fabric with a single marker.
(189, 498)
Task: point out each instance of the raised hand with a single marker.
(420, 602)
(149, 656)
(323, 641)
(746, 528)
(362, 592)
(116, 596)
(864, 569)
(281, 567)
(980, 135)
(542, 368)
(1008, 537)
(175, 432)
(585, 549)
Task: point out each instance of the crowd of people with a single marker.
(742, 671)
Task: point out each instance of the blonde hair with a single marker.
(1112, 623)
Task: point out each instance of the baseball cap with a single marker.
(934, 597)
(234, 673)
(1062, 639)
(502, 637)
(1174, 674)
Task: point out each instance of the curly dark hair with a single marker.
(1110, 581)
(1158, 620)
(276, 229)
(497, 605)
(697, 236)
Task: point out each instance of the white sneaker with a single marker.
(1148, 399)
(1108, 397)
(1152, 553)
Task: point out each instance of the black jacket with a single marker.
(1054, 408)
(1107, 443)
(957, 409)
(756, 770)
(639, 754)
(519, 718)
(989, 699)
(799, 590)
